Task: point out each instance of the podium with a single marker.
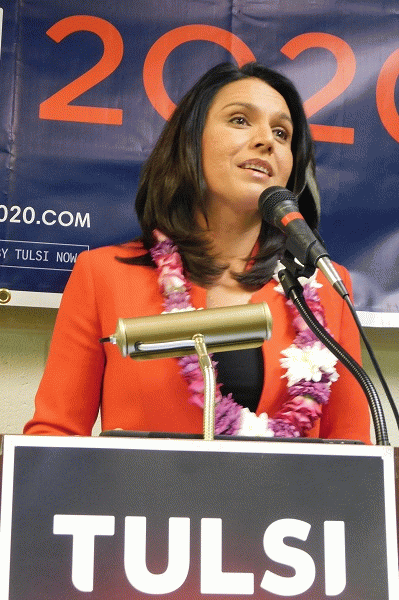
(126, 518)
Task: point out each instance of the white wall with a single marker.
(25, 335)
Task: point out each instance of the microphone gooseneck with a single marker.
(293, 291)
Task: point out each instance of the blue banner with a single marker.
(87, 86)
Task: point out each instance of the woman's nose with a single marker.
(263, 138)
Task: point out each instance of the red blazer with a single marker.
(82, 375)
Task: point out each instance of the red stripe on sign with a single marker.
(291, 217)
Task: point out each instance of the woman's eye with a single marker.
(281, 134)
(239, 120)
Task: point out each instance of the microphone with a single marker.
(279, 207)
(170, 334)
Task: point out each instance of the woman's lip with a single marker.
(258, 166)
(256, 171)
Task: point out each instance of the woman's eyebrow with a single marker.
(286, 117)
(282, 115)
(241, 104)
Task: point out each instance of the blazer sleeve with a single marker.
(347, 414)
(68, 397)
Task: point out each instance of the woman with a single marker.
(236, 132)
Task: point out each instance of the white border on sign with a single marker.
(34, 299)
(378, 319)
(85, 246)
(52, 300)
(391, 532)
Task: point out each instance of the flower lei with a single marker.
(310, 366)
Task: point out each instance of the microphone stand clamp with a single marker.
(295, 268)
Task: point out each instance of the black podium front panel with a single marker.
(96, 519)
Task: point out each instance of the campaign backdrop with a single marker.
(87, 86)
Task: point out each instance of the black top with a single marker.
(241, 373)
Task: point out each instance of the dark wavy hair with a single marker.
(172, 188)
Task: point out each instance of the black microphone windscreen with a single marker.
(272, 197)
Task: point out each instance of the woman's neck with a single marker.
(232, 238)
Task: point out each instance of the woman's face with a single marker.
(246, 144)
